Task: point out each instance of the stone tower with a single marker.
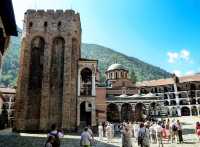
(47, 83)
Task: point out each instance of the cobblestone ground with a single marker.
(8, 139)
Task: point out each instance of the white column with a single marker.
(177, 99)
(179, 111)
(79, 83)
(93, 85)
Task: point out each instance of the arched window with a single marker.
(35, 80)
(56, 79)
(86, 82)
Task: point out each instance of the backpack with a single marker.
(174, 127)
(56, 142)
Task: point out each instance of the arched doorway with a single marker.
(198, 101)
(174, 112)
(185, 111)
(112, 113)
(166, 103)
(85, 113)
(86, 82)
(194, 110)
(140, 110)
(172, 102)
(193, 101)
(183, 102)
(126, 112)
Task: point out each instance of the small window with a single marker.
(45, 24)
(59, 24)
(30, 24)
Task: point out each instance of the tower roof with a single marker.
(116, 66)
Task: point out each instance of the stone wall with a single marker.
(47, 83)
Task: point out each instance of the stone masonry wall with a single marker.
(49, 25)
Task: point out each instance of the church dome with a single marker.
(116, 66)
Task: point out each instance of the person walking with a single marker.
(198, 130)
(127, 137)
(108, 132)
(179, 129)
(86, 138)
(159, 131)
(141, 134)
(147, 137)
(100, 130)
(152, 130)
(173, 131)
(56, 134)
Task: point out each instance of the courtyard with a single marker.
(9, 139)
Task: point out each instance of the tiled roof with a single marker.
(168, 81)
(155, 82)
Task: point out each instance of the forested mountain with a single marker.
(138, 69)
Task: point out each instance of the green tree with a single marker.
(132, 76)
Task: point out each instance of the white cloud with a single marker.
(177, 72)
(190, 72)
(184, 54)
(173, 56)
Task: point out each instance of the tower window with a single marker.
(45, 24)
(30, 24)
(59, 24)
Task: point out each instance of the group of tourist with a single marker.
(145, 132)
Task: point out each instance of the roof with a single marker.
(168, 81)
(8, 17)
(84, 59)
(159, 82)
(116, 66)
(7, 90)
(189, 78)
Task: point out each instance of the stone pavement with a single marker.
(9, 139)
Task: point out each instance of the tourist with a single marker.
(92, 135)
(90, 131)
(167, 127)
(136, 130)
(173, 131)
(159, 131)
(112, 130)
(141, 134)
(56, 134)
(152, 130)
(85, 138)
(126, 137)
(49, 141)
(179, 129)
(146, 141)
(100, 130)
(198, 130)
(109, 133)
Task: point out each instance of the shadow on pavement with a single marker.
(15, 140)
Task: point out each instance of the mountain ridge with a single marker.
(138, 69)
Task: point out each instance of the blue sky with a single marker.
(165, 33)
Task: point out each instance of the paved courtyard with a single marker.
(8, 139)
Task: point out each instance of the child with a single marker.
(49, 141)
